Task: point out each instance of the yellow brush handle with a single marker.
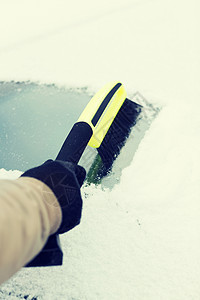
(102, 110)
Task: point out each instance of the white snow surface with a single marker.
(142, 239)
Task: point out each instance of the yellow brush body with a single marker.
(108, 115)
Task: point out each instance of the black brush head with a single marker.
(117, 134)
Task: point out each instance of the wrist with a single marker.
(64, 179)
(49, 200)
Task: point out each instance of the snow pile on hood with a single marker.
(11, 174)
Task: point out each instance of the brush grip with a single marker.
(75, 143)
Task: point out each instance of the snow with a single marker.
(11, 174)
(142, 239)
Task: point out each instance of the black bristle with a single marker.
(118, 133)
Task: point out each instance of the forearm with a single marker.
(29, 213)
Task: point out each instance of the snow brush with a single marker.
(104, 124)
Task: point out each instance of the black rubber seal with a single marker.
(104, 104)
